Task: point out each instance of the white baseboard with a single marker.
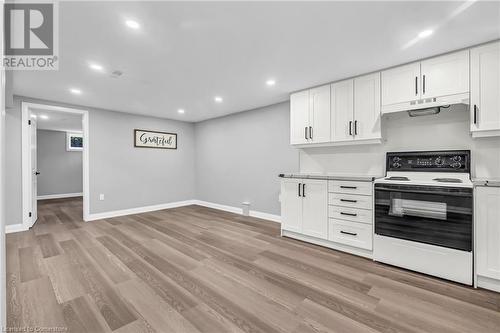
(59, 196)
(10, 228)
(488, 283)
(138, 210)
(236, 210)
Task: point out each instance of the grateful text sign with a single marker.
(153, 139)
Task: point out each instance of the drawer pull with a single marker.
(348, 233)
(348, 200)
(350, 214)
(349, 187)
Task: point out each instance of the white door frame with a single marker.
(26, 157)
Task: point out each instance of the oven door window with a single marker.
(437, 216)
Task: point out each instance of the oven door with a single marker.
(434, 215)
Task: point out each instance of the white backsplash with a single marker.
(446, 130)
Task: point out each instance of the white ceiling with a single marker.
(57, 121)
(186, 53)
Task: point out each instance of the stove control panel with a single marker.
(431, 161)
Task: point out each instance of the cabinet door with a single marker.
(299, 117)
(367, 107)
(487, 222)
(485, 87)
(401, 84)
(445, 75)
(315, 208)
(291, 205)
(342, 109)
(320, 114)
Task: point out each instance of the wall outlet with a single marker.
(101, 197)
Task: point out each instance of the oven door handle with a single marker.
(431, 191)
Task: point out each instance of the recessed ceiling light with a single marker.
(132, 24)
(218, 99)
(181, 111)
(425, 33)
(33, 116)
(43, 116)
(96, 67)
(75, 91)
(271, 82)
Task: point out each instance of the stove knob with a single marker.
(456, 165)
(396, 159)
(396, 165)
(439, 161)
(457, 158)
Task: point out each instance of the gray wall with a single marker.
(239, 157)
(60, 170)
(128, 177)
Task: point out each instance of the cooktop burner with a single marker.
(448, 180)
(398, 178)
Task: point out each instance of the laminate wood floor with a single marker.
(194, 269)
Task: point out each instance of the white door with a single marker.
(485, 87)
(291, 205)
(320, 114)
(487, 222)
(367, 107)
(299, 117)
(401, 84)
(315, 208)
(445, 75)
(342, 108)
(34, 173)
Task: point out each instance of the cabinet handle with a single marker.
(303, 190)
(350, 127)
(299, 189)
(348, 233)
(348, 200)
(475, 114)
(423, 85)
(355, 127)
(348, 214)
(310, 132)
(416, 85)
(305, 132)
(349, 187)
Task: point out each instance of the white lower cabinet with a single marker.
(487, 222)
(304, 207)
(336, 214)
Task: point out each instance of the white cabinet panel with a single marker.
(315, 208)
(320, 114)
(351, 233)
(350, 214)
(350, 187)
(487, 222)
(342, 110)
(299, 117)
(367, 107)
(291, 205)
(485, 88)
(445, 75)
(401, 84)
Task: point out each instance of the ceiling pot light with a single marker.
(96, 67)
(132, 24)
(43, 116)
(75, 91)
(218, 99)
(33, 116)
(181, 111)
(425, 33)
(271, 82)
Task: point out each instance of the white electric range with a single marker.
(424, 214)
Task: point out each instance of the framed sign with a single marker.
(74, 141)
(154, 139)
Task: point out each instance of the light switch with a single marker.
(101, 197)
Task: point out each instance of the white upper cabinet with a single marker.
(367, 107)
(319, 116)
(445, 75)
(342, 110)
(485, 90)
(401, 84)
(299, 117)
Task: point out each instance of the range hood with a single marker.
(427, 103)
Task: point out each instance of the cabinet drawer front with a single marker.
(350, 187)
(350, 200)
(351, 233)
(350, 214)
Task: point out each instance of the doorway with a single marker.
(60, 169)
